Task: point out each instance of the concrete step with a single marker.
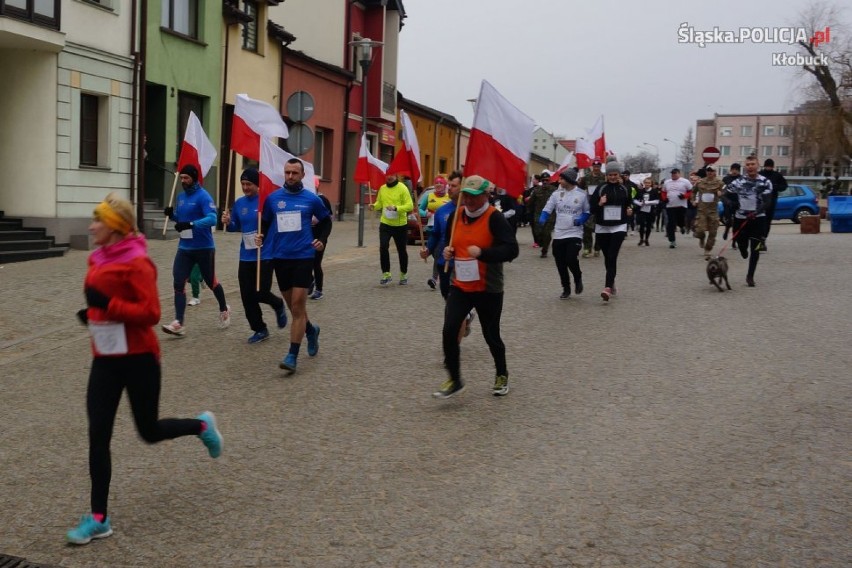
(27, 244)
(10, 224)
(22, 234)
(8, 257)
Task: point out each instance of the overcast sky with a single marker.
(565, 62)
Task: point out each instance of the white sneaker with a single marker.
(193, 302)
(175, 328)
(225, 318)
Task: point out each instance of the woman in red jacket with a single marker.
(121, 292)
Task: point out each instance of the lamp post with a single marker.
(677, 151)
(364, 48)
(656, 150)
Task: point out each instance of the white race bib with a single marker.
(186, 234)
(467, 270)
(391, 214)
(248, 240)
(646, 209)
(110, 338)
(592, 189)
(612, 213)
(289, 221)
(431, 221)
(564, 221)
(707, 197)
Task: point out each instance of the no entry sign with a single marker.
(710, 155)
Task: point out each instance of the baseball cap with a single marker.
(475, 185)
(596, 163)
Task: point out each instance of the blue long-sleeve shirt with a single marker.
(244, 220)
(196, 206)
(440, 231)
(286, 220)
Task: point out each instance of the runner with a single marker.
(749, 195)
(707, 193)
(395, 203)
(646, 202)
(611, 206)
(123, 306)
(571, 205)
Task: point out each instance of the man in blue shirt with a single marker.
(286, 231)
(194, 215)
(245, 219)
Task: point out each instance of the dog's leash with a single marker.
(734, 236)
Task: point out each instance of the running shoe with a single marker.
(431, 283)
(449, 388)
(210, 436)
(225, 318)
(403, 279)
(281, 317)
(175, 328)
(501, 385)
(565, 295)
(193, 301)
(672, 245)
(578, 286)
(289, 363)
(89, 529)
(386, 279)
(259, 336)
(587, 253)
(313, 340)
(317, 295)
(606, 294)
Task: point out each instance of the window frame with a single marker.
(726, 131)
(769, 130)
(248, 6)
(167, 18)
(746, 130)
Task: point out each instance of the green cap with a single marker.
(475, 185)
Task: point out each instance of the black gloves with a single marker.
(169, 212)
(83, 316)
(183, 225)
(95, 299)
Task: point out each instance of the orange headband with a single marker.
(111, 218)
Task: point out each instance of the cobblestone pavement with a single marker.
(673, 426)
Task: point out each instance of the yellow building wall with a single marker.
(437, 146)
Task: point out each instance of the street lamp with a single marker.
(677, 151)
(656, 149)
(364, 48)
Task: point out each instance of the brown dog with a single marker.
(717, 270)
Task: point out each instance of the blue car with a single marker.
(793, 203)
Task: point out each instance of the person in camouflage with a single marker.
(590, 182)
(538, 199)
(706, 194)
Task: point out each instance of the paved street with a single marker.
(674, 426)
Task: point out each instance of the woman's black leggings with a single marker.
(140, 375)
(610, 245)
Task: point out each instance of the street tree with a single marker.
(687, 150)
(643, 162)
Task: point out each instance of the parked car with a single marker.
(793, 203)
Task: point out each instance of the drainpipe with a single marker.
(341, 208)
(142, 112)
(134, 130)
(224, 149)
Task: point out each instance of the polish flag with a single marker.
(369, 170)
(407, 161)
(196, 149)
(500, 142)
(592, 146)
(585, 153)
(253, 119)
(271, 170)
(566, 163)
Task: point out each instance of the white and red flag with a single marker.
(566, 163)
(252, 120)
(592, 146)
(272, 162)
(196, 150)
(369, 169)
(407, 160)
(500, 141)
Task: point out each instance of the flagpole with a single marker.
(171, 199)
(453, 230)
(228, 180)
(257, 279)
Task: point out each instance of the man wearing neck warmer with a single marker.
(395, 203)
(194, 215)
(481, 241)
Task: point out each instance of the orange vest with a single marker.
(473, 232)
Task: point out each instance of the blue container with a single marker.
(840, 211)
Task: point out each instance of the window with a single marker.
(785, 130)
(724, 150)
(323, 152)
(94, 136)
(187, 103)
(722, 171)
(746, 150)
(442, 165)
(40, 12)
(180, 16)
(783, 150)
(250, 28)
(726, 131)
(766, 151)
(769, 130)
(745, 130)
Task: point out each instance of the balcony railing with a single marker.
(44, 13)
(389, 98)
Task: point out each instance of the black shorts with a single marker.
(293, 273)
